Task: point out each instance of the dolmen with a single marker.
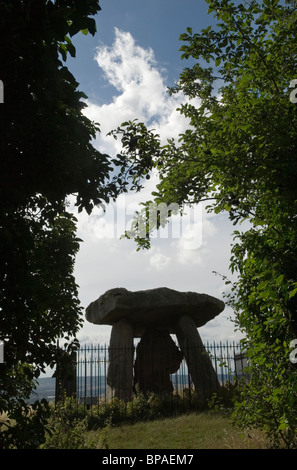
(154, 315)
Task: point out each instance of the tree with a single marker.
(46, 155)
(239, 153)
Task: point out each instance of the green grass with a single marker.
(192, 431)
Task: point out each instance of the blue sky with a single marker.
(125, 70)
(156, 24)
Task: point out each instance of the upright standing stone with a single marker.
(199, 363)
(121, 352)
(157, 356)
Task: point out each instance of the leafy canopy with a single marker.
(46, 155)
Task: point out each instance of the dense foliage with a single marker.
(239, 153)
(46, 155)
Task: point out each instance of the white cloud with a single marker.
(125, 63)
(133, 71)
(158, 260)
(140, 92)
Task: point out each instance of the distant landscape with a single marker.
(86, 386)
(45, 389)
(96, 386)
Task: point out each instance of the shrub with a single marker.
(67, 426)
(66, 434)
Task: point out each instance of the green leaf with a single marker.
(293, 293)
(279, 279)
(283, 426)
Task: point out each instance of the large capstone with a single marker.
(161, 307)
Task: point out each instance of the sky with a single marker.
(125, 70)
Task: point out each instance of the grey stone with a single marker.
(121, 352)
(199, 363)
(157, 356)
(160, 307)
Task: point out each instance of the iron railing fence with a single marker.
(92, 363)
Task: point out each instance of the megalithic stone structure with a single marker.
(145, 314)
